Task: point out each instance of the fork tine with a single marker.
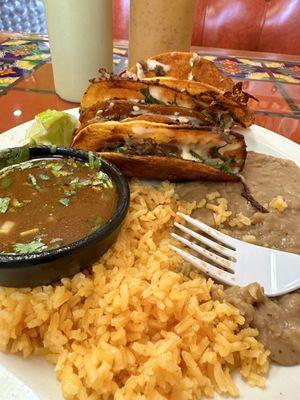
(208, 242)
(206, 253)
(207, 229)
(203, 266)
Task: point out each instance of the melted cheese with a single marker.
(157, 93)
(152, 64)
(194, 59)
(190, 76)
(142, 131)
(139, 71)
(199, 149)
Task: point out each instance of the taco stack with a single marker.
(170, 117)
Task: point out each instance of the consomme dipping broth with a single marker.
(49, 203)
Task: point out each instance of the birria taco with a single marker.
(177, 152)
(170, 117)
(214, 103)
(182, 66)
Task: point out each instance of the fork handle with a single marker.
(285, 272)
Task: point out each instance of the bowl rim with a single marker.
(37, 152)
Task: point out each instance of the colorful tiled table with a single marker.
(27, 87)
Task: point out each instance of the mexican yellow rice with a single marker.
(137, 327)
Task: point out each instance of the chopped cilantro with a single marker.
(25, 165)
(226, 166)
(97, 162)
(36, 246)
(149, 98)
(44, 177)
(61, 173)
(196, 155)
(214, 163)
(32, 180)
(74, 181)
(6, 182)
(56, 169)
(4, 204)
(224, 119)
(98, 223)
(55, 166)
(102, 179)
(94, 160)
(64, 201)
(119, 149)
(70, 192)
(84, 183)
(91, 159)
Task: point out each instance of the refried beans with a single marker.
(278, 320)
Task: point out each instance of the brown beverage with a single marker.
(158, 26)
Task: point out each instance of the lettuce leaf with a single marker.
(52, 127)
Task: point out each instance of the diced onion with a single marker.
(6, 227)
(29, 232)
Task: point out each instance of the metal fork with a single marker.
(240, 263)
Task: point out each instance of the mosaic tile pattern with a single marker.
(19, 58)
(12, 70)
(120, 59)
(284, 72)
(243, 68)
(235, 67)
(26, 76)
(25, 49)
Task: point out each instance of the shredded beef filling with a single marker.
(147, 147)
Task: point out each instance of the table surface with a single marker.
(27, 87)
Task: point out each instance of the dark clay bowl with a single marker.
(28, 270)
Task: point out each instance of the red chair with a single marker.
(256, 25)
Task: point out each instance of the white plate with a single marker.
(34, 379)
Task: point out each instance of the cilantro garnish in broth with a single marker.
(26, 165)
(6, 182)
(4, 204)
(45, 199)
(36, 246)
(94, 160)
(32, 180)
(64, 201)
(44, 177)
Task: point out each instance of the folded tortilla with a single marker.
(182, 66)
(155, 150)
(169, 91)
(129, 110)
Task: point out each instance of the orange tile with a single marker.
(293, 92)
(269, 96)
(41, 79)
(288, 127)
(20, 106)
